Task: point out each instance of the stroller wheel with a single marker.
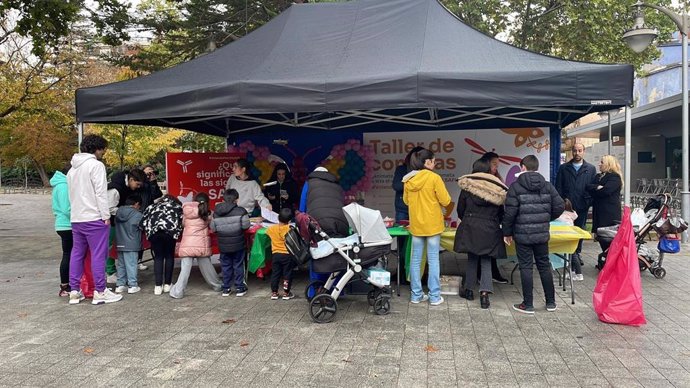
(314, 288)
(382, 305)
(373, 295)
(659, 273)
(323, 308)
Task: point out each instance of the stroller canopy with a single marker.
(367, 223)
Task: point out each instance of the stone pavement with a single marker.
(207, 340)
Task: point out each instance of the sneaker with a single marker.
(75, 297)
(143, 267)
(106, 296)
(500, 280)
(274, 296)
(437, 302)
(157, 290)
(576, 277)
(288, 295)
(225, 292)
(166, 287)
(112, 279)
(242, 292)
(133, 290)
(425, 297)
(120, 289)
(579, 277)
(520, 307)
(64, 290)
(551, 306)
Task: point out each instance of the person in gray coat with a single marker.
(229, 223)
(128, 237)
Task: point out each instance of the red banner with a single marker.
(190, 173)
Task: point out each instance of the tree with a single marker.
(135, 145)
(582, 30)
(46, 22)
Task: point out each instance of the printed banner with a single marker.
(455, 152)
(189, 173)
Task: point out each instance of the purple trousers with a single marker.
(93, 236)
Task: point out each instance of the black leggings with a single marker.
(66, 237)
(163, 247)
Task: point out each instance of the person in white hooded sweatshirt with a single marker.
(90, 218)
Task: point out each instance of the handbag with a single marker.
(668, 244)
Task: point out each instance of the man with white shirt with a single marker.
(571, 181)
(90, 217)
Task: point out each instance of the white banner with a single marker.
(455, 152)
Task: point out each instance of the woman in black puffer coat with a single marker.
(480, 210)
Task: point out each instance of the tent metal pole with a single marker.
(80, 133)
(628, 161)
(610, 137)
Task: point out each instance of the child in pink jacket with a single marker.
(196, 243)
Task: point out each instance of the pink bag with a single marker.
(617, 297)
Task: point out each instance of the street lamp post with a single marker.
(638, 38)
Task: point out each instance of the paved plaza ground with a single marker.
(207, 340)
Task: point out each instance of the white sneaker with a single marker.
(166, 287)
(579, 277)
(120, 289)
(157, 290)
(425, 297)
(112, 279)
(576, 277)
(143, 267)
(438, 302)
(106, 296)
(75, 297)
(133, 290)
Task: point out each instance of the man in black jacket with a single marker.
(571, 182)
(530, 205)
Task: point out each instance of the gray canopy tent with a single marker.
(367, 65)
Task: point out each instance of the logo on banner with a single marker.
(184, 165)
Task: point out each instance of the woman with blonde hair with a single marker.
(606, 193)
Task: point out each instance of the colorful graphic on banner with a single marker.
(190, 173)
(455, 152)
(259, 157)
(352, 163)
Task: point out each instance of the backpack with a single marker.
(298, 248)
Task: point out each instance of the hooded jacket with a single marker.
(480, 210)
(127, 232)
(325, 201)
(195, 239)
(164, 216)
(88, 185)
(229, 223)
(425, 194)
(531, 204)
(61, 208)
(249, 192)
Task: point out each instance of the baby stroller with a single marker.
(655, 209)
(359, 257)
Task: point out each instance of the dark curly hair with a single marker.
(92, 143)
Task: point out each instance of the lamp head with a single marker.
(639, 37)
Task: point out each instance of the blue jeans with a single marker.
(232, 264)
(127, 268)
(433, 244)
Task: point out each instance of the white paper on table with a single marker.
(269, 215)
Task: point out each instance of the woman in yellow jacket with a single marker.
(425, 194)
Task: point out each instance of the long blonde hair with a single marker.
(610, 164)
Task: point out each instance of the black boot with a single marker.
(467, 294)
(484, 300)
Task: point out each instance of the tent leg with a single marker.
(80, 133)
(628, 158)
